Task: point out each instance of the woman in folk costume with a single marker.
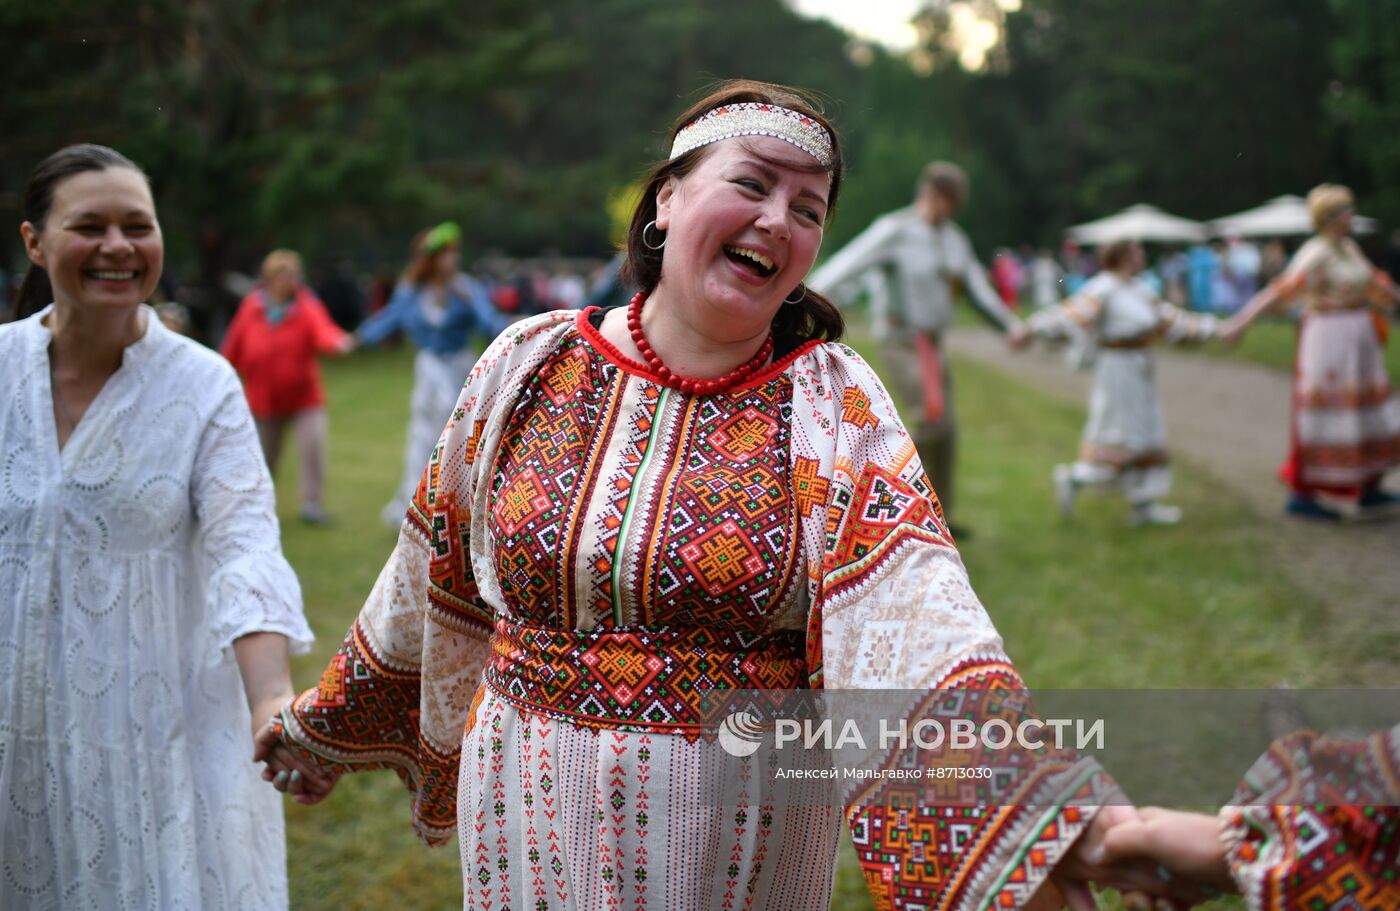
(633, 507)
(439, 308)
(146, 610)
(1125, 440)
(1346, 423)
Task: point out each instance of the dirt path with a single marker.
(1230, 420)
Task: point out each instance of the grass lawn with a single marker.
(1081, 603)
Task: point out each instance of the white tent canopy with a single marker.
(1140, 222)
(1283, 216)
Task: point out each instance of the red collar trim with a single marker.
(609, 351)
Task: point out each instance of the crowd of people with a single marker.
(1217, 277)
(608, 514)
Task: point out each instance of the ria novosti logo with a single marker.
(740, 734)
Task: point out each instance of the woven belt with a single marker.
(1134, 343)
(656, 679)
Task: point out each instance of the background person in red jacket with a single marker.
(273, 342)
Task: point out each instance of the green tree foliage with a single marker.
(346, 128)
(1365, 98)
(265, 123)
(1200, 106)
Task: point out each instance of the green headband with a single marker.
(446, 234)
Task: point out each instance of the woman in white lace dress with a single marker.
(1117, 319)
(146, 610)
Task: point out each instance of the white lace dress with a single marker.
(128, 565)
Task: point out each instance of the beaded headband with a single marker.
(751, 118)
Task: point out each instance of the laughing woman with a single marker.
(702, 490)
(145, 606)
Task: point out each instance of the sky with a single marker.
(887, 22)
(883, 21)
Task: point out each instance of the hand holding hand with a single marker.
(1186, 844)
(1231, 331)
(287, 769)
(1018, 336)
(1145, 882)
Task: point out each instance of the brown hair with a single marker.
(1113, 255)
(947, 180)
(420, 267)
(35, 292)
(812, 317)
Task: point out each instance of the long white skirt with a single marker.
(1125, 439)
(1346, 421)
(556, 816)
(437, 381)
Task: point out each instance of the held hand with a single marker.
(1231, 332)
(285, 768)
(1144, 882)
(1018, 336)
(1186, 844)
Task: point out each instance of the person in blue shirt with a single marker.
(439, 308)
(1202, 265)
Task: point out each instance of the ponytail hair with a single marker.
(36, 291)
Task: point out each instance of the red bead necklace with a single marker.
(699, 387)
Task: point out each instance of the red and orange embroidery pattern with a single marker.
(694, 490)
(922, 849)
(364, 714)
(654, 680)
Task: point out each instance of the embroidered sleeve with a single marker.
(1317, 820)
(400, 691)
(1073, 317)
(1177, 325)
(892, 609)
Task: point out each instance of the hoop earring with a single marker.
(651, 226)
(800, 298)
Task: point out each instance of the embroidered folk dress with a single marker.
(588, 550)
(1346, 420)
(1315, 824)
(129, 562)
(1125, 438)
